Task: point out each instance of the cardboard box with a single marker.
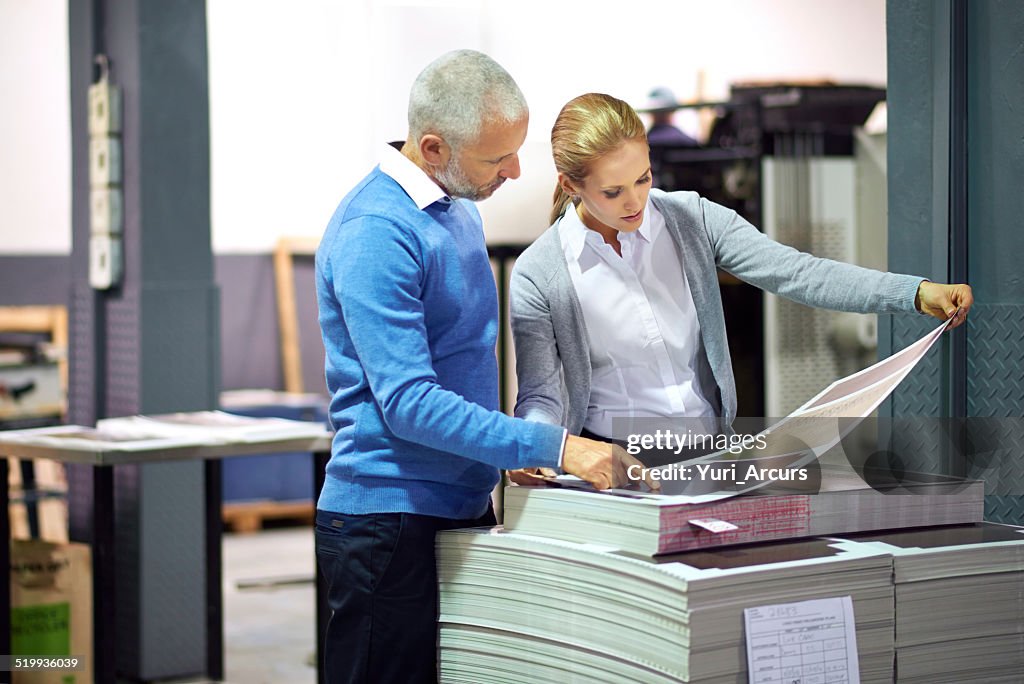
(51, 607)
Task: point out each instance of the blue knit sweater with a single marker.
(408, 314)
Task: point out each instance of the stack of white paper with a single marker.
(88, 439)
(959, 602)
(210, 427)
(847, 504)
(651, 524)
(516, 608)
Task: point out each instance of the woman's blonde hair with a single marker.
(589, 127)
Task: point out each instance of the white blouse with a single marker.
(642, 326)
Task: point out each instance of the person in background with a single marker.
(616, 310)
(409, 319)
(662, 105)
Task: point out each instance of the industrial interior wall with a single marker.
(926, 66)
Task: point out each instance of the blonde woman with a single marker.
(616, 311)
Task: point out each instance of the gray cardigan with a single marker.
(552, 354)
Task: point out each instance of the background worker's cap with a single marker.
(660, 99)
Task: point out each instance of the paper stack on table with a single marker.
(210, 427)
(959, 602)
(169, 433)
(650, 524)
(90, 439)
(524, 609)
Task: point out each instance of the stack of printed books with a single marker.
(650, 524)
(959, 602)
(516, 608)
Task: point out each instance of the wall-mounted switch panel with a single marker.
(106, 198)
(106, 211)
(104, 261)
(104, 161)
(104, 109)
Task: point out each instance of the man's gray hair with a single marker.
(457, 92)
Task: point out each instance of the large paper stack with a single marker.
(959, 602)
(650, 524)
(524, 609)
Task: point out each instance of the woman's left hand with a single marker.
(942, 301)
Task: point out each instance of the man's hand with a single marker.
(941, 301)
(601, 464)
(531, 477)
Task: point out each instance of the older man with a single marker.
(408, 313)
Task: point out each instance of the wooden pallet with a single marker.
(248, 516)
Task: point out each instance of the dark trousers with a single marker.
(381, 575)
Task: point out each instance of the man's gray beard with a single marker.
(454, 180)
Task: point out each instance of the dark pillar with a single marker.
(151, 343)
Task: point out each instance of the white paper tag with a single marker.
(713, 525)
(808, 641)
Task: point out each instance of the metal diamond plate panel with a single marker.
(993, 448)
(995, 389)
(920, 394)
(995, 361)
(922, 448)
(1004, 509)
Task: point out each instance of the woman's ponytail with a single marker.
(561, 201)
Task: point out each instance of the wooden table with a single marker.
(104, 456)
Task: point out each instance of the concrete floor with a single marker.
(269, 625)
